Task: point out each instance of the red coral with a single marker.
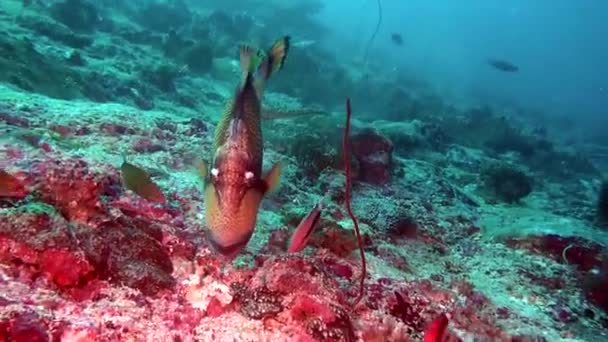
(337, 268)
(23, 326)
(571, 250)
(64, 267)
(137, 207)
(14, 120)
(338, 329)
(74, 190)
(373, 152)
(215, 308)
(62, 130)
(305, 307)
(338, 240)
(35, 240)
(146, 145)
(114, 129)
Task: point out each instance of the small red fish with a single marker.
(11, 186)
(438, 331)
(304, 230)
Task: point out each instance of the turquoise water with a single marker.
(303, 170)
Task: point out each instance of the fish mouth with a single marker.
(230, 251)
(230, 228)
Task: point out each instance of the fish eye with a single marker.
(215, 172)
(248, 175)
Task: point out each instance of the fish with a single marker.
(11, 186)
(304, 43)
(503, 65)
(235, 186)
(137, 180)
(397, 39)
(438, 330)
(305, 228)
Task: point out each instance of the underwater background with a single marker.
(431, 170)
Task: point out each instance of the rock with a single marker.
(23, 326)
(56, 32)
(164, 16)
(602, 206)
(75, 58)
(374, 154)
(128, 256)
(506, 183)
(79, 15)
(199, 58)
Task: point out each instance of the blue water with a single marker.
(558, 45)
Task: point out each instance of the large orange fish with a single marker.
(235, 186)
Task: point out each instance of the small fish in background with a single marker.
(503, 65)
(11, 186)
(305, 228)
(303, 43)
(397, 39)
(138, 181)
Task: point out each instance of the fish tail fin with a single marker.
(124, 157)
(272, 62)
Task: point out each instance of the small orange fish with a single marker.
(304, 230)
(11, 186)
(138, 181)
(235, 185)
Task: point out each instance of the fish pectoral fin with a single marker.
(273, 177)
(202, 169)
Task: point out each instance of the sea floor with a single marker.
(84, 260)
